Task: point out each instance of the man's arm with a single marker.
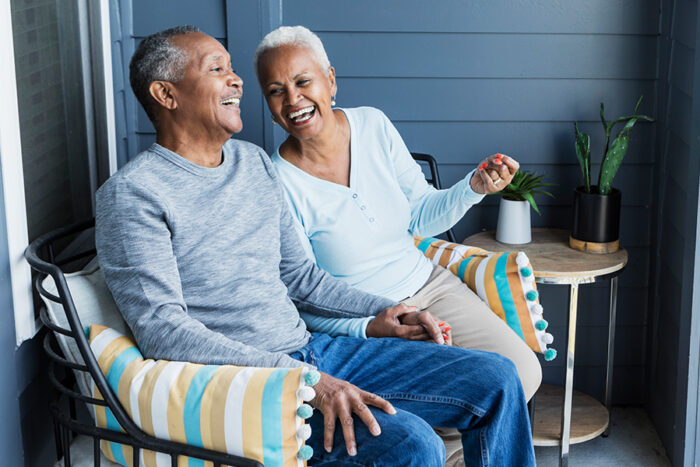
(315, 291)
(136, 256)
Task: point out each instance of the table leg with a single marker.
(569, 384)
(611, 351)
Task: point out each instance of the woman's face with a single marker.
(297, 90)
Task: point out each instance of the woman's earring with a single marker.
(332, 101)
(274, 120)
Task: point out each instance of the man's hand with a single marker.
(338, 399)
(405, 322)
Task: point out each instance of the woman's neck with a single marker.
(324, 148)
(326, 155)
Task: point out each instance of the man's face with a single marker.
(208, 96)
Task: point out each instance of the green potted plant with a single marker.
(514, 210)
(596, 226)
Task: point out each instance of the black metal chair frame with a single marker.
(67, 424)
(433, 180)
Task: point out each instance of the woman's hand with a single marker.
(338, 399)
(405, 322)
(494, 174)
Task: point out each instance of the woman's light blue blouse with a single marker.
(363, 234)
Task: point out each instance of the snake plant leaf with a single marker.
(602, 115)
(531, 200)
(614, 157)
(583, 152)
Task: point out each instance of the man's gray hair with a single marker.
(293, 35)
(157, 59)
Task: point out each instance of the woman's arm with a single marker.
(432, 211)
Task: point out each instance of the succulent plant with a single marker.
(523, 186)
(614, 151)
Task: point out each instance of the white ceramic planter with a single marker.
(513, 222)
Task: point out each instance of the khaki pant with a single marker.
(474, 326)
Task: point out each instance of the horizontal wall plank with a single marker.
(489, 100)
(633, 180)
(594, 305)
(673, 251)
(591, 344)
(529, 142)
(628, 382)
(682, 59)
(684, 21)
(591, 16)
(156, 15)
(634, 223)
(491, 55)
(680, 113)
(425, 99)
(678, 161)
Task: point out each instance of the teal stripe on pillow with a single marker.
(271, 418)
(423, 246)
(505, 295)
(120, 363)
(112, 424)
(463, 268)
(193, 405)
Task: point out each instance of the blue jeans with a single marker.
(477, 392)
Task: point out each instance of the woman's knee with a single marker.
(530, 372)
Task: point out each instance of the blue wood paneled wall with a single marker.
(674, 226)
(462, 80)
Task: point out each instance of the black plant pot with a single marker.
(596, 217)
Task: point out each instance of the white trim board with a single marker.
(13, 184)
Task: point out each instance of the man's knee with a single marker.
(411, 441)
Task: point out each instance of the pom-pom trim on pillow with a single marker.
(504, 281)
(250, 412)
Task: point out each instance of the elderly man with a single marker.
(200, 253)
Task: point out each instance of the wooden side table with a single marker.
(554, 262)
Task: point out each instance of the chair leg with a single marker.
(96, 451)
(57, 439)
(136, 462)
(531, 410)
(173, 460)
(65, 436)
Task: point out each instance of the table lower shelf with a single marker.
(589, 418)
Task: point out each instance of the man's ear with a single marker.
(161, 92)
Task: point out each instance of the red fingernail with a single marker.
(485, 164)
(441, 323)
(481, 168)
(448, 328)
(498, 162)
(499, 156)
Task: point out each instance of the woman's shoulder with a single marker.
(365, 113)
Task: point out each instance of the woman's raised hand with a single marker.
(494, 173)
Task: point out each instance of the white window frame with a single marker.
(13, 184)
(26, 326)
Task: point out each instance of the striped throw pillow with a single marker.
(504, 281)
(257, 413)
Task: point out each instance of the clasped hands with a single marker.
(339, 400)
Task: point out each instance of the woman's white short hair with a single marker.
(293, 35)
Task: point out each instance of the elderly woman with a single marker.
(359, 197)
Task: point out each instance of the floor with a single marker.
(632, 442)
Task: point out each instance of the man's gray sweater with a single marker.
(205, 264)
